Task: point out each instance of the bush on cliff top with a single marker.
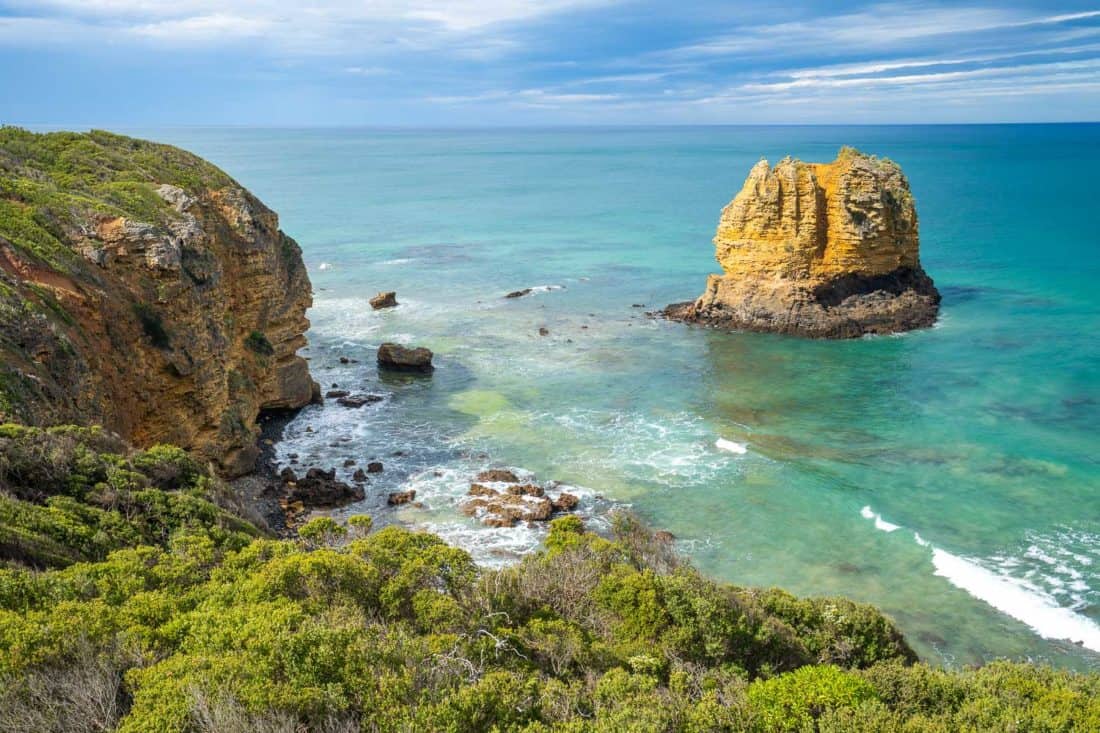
(164, 613)
(51, 182)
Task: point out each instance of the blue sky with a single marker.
(545, 62)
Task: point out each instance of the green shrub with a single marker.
(321, 531)
(837, 630)
(793, 701)
(257, 343)
(160, 600)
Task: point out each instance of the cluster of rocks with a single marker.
(515, 500)
(345, 398)
(317, 489)
(397, 498)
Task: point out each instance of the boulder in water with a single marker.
(394, 357)
(387, 299)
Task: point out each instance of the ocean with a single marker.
(950, 476)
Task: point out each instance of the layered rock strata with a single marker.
(143, 289)
(818, 249)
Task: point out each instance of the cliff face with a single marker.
(825, 249)
(144, 290)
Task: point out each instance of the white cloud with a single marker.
(202, 28)
(837, 62)
(879, 27)
(875, 67)
(187, 21)
(811, 82)
(639, 78)
(366, 70)
(525, 98)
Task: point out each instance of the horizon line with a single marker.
(78, 127)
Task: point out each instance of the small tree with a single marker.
(360, 525)
(322, 531)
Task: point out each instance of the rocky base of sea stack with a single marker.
(846, 307)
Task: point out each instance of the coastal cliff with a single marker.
(818, 249)
(143, 289)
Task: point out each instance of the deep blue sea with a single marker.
(950, 476)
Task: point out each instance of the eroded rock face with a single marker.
(818, 249)
(171, 313)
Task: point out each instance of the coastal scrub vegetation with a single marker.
(50, 183)
(258, 343)
(134, 597)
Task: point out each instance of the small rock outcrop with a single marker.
(827, 250)
(501, 475)
(386, 299)
(397, 498)
(358, 400)
(320, 489)
(151, 294)
(512, 500)
(397, 358)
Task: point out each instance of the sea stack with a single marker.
(825, 250)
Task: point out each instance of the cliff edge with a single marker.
(828, 250)
(143, 289)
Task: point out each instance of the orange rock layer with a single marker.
(825, 249)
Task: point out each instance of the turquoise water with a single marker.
(950, 476)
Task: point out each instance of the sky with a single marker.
(438, 63)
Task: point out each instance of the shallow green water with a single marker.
(975, 444)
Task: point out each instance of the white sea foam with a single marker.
(730, 446)
(671, 447)
(1022, 602)
(1022, 598)
(444, 490)
(880, 523)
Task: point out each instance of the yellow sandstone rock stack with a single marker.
(818, 249)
